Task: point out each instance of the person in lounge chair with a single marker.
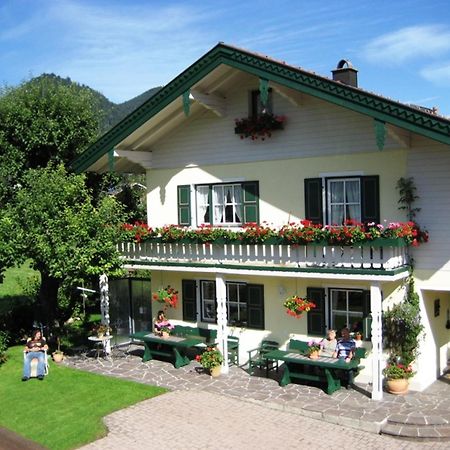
(35, 348)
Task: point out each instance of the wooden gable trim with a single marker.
(355, 99)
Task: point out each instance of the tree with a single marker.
(57, 227)
(43, 121)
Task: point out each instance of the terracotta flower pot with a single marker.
(314, 354)
(164, 334)
(398, 386)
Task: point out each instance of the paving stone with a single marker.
(351, 408)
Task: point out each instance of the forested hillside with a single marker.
(111, 113)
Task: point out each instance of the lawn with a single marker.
(16, 286)
(65, 410)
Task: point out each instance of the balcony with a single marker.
(381, 256)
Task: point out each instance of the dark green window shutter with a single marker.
(184, 205)
(313, 200)
(255, 306)
(250, 199)
(189, 294)
(316, 317)
(370, 199)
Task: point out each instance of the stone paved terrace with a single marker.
(424, 416)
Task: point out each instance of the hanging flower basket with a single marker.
(167, 296)
(296, 306)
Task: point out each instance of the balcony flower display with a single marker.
(296, 306)
(260, 126)
(167, 296)
(138, 231)
(294, 233)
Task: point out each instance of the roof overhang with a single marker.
(166, 109)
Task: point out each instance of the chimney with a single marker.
(345, 73)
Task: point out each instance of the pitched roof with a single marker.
(383, 109)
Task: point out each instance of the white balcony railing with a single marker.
(384, 257)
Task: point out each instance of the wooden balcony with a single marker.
(383, 255)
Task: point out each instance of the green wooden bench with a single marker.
(205, 334)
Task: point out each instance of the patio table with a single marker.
(295, 364)
(173, 347)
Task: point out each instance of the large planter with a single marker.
(398, 386)
(215, 371)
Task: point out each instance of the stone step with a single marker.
(418, 426)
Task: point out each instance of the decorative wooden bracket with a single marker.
(380, 133)
(264, 90)
(186, 102)
(111, 160)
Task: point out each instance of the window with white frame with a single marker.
(220, 204)
(346, 309)
(208, 300)
(237, 303)
(243, 300)
(335, 200)
(344, 200)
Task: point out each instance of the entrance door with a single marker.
(129, 307)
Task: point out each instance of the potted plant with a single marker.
(313, 350)
(101, 329)
(165, 332)
(211, 359)
(58, 355)
(296, 306)
(397, 377)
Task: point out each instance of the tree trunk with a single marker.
(48, 299)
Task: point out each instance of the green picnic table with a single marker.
(295, 364)
(173, 347)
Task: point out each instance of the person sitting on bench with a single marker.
(35, 348)
(162, 322)
(345, 348)
(328, 344)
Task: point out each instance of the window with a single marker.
(342, 307)
(344, 200)
(220, 204)
(208, 300)
(346, 309)
(224, 204)
(237, 304)
(354, 198)
(256, 106)
(245, 303)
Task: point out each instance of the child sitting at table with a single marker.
(162, 322)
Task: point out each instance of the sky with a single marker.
(122, 48)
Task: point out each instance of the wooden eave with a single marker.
(224, 56)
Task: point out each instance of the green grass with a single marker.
(65, 410)
(16, 286)
(16, 279)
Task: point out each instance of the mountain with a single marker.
(111, 113)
